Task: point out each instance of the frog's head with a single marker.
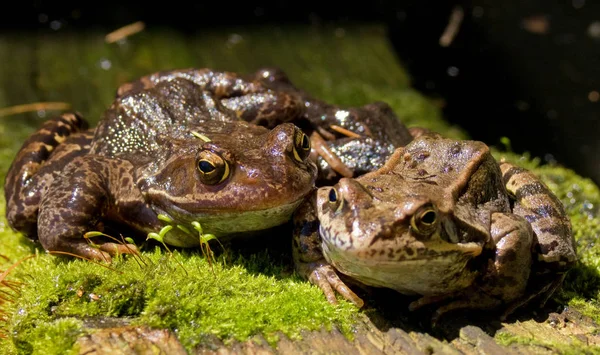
(232, 181)
(388, 231)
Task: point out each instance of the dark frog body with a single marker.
(346, 141)
(167, 146)
(443, 220)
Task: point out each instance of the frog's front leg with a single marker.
(503, 279)
(308, 255)
(76, 203)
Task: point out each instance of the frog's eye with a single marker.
(301, 146)
(334, 199)
(212, 167)
(424, 221)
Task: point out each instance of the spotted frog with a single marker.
(443, 220)
(346, 141)
(168, 149)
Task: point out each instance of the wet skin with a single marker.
(346, 141)
(442, 219)
(168, 146)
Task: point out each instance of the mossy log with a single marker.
(70, 305)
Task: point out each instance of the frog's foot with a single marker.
(427, 300)
(324, 276)
(86, 250)
(322, 149)
(462, 300)
(464, 303)
(542, 290)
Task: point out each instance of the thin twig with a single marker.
(124, 32)
(36, 106)
(453, 26)
(344, 131)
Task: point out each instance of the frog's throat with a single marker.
(439, 272)
(223, 224)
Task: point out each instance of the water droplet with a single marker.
(55, 25)
(105, 64)
(453, 71)
(594, 30)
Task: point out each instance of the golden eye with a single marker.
(212, 167)
(301, 146)
(334, 199)
(424, 221)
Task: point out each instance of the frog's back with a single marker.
(136, 120)
(455, 166)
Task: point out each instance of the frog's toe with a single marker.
(79, 248)
(334, 161)
(543, 289)
(86, 250)
(465, 303)
(117, 248)
(427, 300)
(327, 279)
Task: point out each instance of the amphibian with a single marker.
(443, 220)
(167, 147)
(346, 141)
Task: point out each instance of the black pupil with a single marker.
(305, 142)
(332, 195)
(428, 217)
(206, 167)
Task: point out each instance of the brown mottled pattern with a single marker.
(142, 160)
(22, 184)
(544, 211)
(250, 100)
(474, 248)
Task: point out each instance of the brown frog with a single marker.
(443, 220)
(167, 146)
(346, 141)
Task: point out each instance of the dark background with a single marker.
(498, 78)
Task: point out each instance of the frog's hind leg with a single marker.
(23, 185)
(534, 201)
(555, 247)
(322, 149)
(503, 279)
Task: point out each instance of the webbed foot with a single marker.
(91, 251)
(325, 277)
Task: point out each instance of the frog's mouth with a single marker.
(442, 267)
(225, 223)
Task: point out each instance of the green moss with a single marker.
(573, 347)
(186, 297)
